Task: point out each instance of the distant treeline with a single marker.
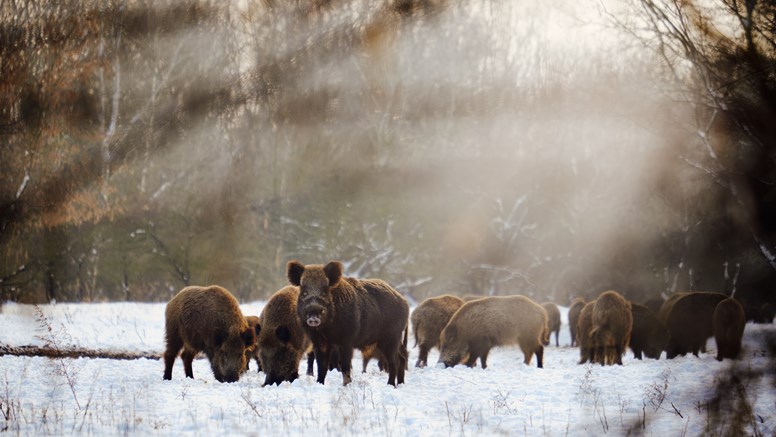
(146, 148)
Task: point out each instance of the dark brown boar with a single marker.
(611, 330)
(484, 323)
(252, 351)
(649, 335)
(282, 342)
(428, 321)
(347, 313)
(689, 318)
(207, 319)
(574, 310)
(553, 320)
(584, 325)
(729, 322)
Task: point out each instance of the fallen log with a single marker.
(75, 352)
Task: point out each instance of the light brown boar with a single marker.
(484, 323)
(553, 320)
(612, 322)
(209, 320)
(428, 321)
(584, 325)
(282, 343)
(252, 351)
(574, 310)
(729, 322)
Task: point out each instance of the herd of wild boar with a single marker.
(324, 316)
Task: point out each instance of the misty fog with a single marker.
(478, 147)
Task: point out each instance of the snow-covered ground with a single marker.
(40, 396)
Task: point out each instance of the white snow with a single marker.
(43, 396)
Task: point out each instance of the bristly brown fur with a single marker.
(207, 319)
(343, 313)
(428, 321)
(574, 310)
(553, 321)
(649, 335)
(689, 318)
(584, 326)
(282, 342)
(484, 323)
(610, 333)
(252, 351)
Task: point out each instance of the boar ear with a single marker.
(294, 270)
(248, 337)
(283, 333)
(333, 271)
(219, 337)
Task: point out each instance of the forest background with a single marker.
(551, 149)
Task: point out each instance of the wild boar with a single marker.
(252, 351)
(587, 348)
(207, 319)
(346, 313)
(729, 322)
(428, 321)
(282, 342)
(484, 323)
(689, 318)
(574, 310)
(553, 320)
(649, 335)
(612, 322)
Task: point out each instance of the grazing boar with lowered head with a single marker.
(484, 323)
(649, 335)
(207, 319)
(428, 321)
(282, 342)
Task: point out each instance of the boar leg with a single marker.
(484, 359)
(390, 351)
(188, 357)
(422, 355)
(174, 346)
(403, 360)
(310, 361)
(346, 362)
(322, 356)
(539, 357)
